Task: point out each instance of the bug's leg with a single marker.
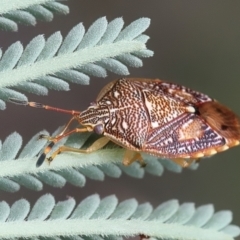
(61, 133)
(55, 140)
(184, 163)
(132, 156)
(198, 160)
(192, 160)
(143, 237)
(98, 144)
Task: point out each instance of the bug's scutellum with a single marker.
(152, 116)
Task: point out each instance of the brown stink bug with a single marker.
(152, 116)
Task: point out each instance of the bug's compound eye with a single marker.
(98, 129)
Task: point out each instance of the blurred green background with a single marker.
(196, 44)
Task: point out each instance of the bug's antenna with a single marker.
(40, 105)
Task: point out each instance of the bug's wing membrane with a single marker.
(222, 119)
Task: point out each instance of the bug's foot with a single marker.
(143, 237)
(140, 160)
(184, 163)
(197, 160)
(131, 156)
(49, 160)
(142, 163)
(43, 136)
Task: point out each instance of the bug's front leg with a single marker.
(132, 156)
(56, 139)
(59, 136)
(98, 144)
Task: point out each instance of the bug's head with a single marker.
(94, 117)
(222, 119)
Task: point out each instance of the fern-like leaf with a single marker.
(113, 220)
(68, 167)
(28, 12)
(51, 63)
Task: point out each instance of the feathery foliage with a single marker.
(68, 167)
(28, 12)
(113, 220)
(50, 63)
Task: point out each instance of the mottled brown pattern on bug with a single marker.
(222, 119)
(126, 112)
(194, 129)
(160, 118)
(161, 110)
(152, 116)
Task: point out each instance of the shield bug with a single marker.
(155, 117)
